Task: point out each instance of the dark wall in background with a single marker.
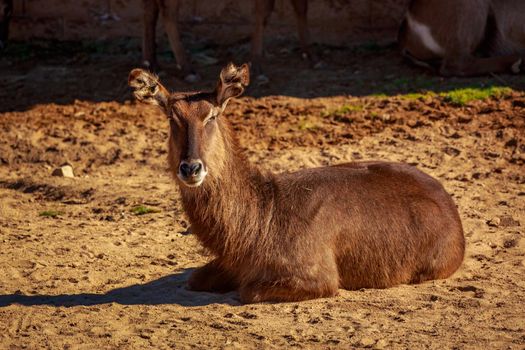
(336, 22)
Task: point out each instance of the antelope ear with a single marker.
(147, 88)
(232, 82)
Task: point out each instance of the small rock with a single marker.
(494, 222)
(64, 171)
(381, 344)
(367, 342)
(504, 221)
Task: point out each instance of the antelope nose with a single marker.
(192, 168)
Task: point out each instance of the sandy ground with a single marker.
(97, 276)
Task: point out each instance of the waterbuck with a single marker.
(465, 37)
(300, 235)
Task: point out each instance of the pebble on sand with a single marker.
(64, 171)
(504, 221)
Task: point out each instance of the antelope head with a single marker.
(198, 136)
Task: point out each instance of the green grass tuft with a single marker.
(141, 210)
(461, 97)
(373, 115)
(51, 213)
(379, 95)
(305, 124)
(345, 109)
(418, 95)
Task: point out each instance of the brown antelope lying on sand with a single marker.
(301, 235)
(447, 35)
(169, 10)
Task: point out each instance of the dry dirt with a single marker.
(97, 276)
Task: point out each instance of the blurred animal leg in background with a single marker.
(169, 10)
(149, 46)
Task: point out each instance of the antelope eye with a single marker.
(210, 119)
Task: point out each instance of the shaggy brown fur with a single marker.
(301, 235)
(461, 30)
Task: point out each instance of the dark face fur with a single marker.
(195, 140)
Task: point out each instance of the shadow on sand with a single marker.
(33, 74)
(166, 290)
